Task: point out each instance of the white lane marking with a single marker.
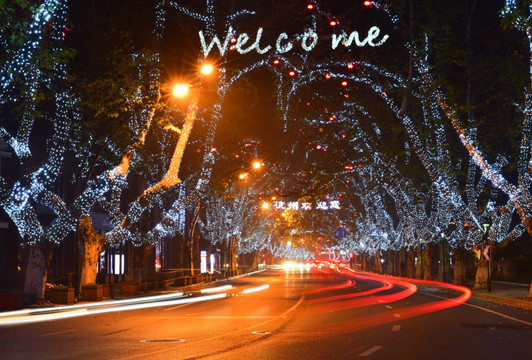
(370, 351)
(387, 306)
(484, 309)
(57, 333)
(176, 307)
(203, 340)
(397, 315)
(396, 328)
(239, 317)
(192, 316)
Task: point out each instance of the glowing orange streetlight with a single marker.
(265, 205)
(206, 69)
(256, 165)
(171, 177)
(180, 90)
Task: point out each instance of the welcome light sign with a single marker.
(308, 40)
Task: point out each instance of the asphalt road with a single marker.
(279, 314)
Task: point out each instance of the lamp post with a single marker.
(245, 190)
(182, 90)
(485, 229)
(450, 228)
(256, 165)
(443, 257)
(171, 177)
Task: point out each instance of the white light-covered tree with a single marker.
(43, 215)
(31, 201)
(226, 217)
(346, 107)
(516, 14)
(158, 189)
(432, 151)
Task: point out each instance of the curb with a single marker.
(526, 304)
(522, 303)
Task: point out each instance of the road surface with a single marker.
(294, 313)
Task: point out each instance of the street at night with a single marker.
(300, 314)
(266, 179)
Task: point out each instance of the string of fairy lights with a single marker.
(445, 185)
(295, 70)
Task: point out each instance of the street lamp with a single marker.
(450, 228)
(206, 69)
(452, 225)
(171, 177)
(485, 228)
(180, 90)
(256, 165)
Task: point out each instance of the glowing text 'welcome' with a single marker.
(307, 40)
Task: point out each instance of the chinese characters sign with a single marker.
(296, 205)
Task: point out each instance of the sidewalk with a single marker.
(507, 293)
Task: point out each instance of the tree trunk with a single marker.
(411, 264)
(255, 258)
(397, 263)
(191, 247)
(391, 261)
(402, 262)
(443, 267)
(378, 263)
(460, 257)
(37, 272)
(181, 243)
(234, 250)
(481, 276)
(419, 264)
(192, 235)
(92, 244)
(428, 262)
(137, 265)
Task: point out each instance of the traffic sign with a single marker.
(486, 252)
(340, 232)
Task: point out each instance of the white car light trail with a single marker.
(55, 313)
(216, 289)
(259, 288)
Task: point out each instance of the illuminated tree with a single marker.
(36, 95)
(34, 76)
(357, 124)
(516, 14)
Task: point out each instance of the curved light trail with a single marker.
(26, 316)
(379, 295)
